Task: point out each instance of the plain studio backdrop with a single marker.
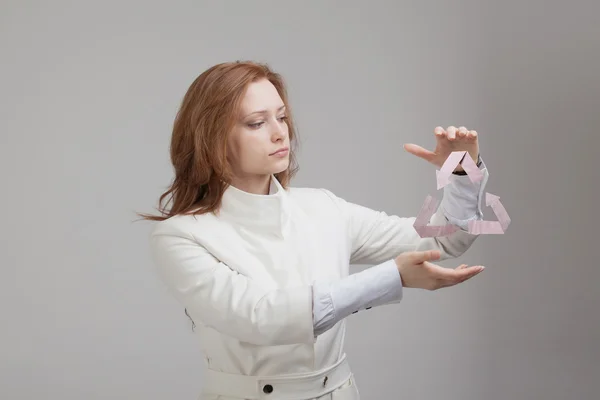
(88, 95)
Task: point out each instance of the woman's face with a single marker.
(259, 144)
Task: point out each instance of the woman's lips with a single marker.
(281, 152)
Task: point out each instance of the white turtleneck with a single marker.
(267, 277)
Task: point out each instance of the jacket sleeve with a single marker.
(376, 237)
(371, 287)
(219, 297)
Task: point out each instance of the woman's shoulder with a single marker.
(311, 196)
(182, 224)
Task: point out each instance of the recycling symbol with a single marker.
(430, 205)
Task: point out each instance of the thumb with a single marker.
(419, 151)
(419, 257)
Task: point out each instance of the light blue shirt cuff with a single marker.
(462, 199)
(375, 286)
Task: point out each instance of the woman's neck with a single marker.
(257, 184)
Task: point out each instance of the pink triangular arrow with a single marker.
(470, 167)
(423, 217)
(475, 227)
(499, 210)
(491, 198)
(491, 227)
(449, 165)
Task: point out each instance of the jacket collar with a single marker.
(268, 212)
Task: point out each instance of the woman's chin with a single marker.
(280, 166)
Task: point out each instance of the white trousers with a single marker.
(332, 383)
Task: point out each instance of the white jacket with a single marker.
(246, 275)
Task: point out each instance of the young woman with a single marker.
(262, 268)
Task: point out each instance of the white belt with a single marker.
(280, 387)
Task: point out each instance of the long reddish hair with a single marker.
(198, 149)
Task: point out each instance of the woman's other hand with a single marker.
(417, 271)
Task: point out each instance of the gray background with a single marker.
(88, 96)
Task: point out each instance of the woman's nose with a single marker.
(278, 132)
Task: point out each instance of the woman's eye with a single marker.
(256, 125)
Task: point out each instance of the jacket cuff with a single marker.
(375, 286)
(462, 199)
(371, 287)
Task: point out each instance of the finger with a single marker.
(462, 132)
(453, 275)
(461, 266)
(439, 132)
(419, 151)
(446, 277)
(451, 132)
(465, 273)
(472, 135)
(418, 257)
